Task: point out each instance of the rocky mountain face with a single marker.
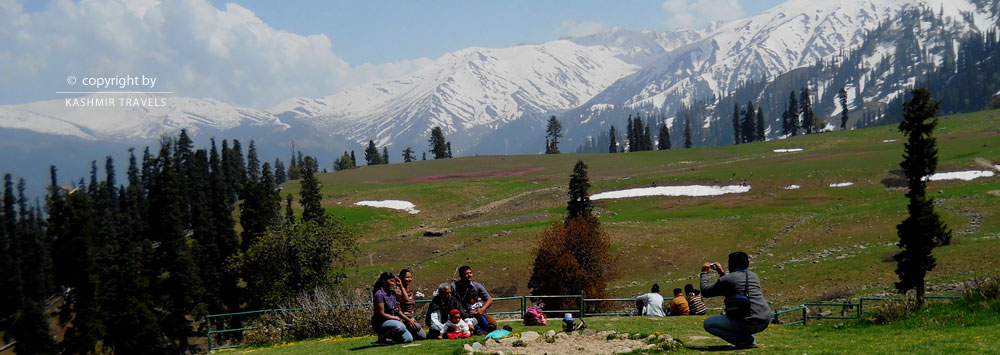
(495, 101)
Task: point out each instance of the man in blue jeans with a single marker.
(737, 330)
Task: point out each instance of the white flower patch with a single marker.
(393, 204)
(792, 187)
(960, 175)
(842, 184)
(690, 190)
(787, 150)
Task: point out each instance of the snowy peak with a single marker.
(127, 116)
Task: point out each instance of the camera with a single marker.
(713, 266)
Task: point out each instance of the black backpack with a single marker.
(738, 307)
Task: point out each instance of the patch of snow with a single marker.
(959, 175)
(841, 184)
(788, 150)
(888, 140)
(792, 187)
(393, 204)
(689, 190)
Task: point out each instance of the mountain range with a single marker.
(496, 100)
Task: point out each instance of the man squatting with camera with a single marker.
(747, 312)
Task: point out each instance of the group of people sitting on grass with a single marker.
(458, 310)
(685, 302)
(746, 310)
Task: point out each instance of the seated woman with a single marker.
(407, 304)
(439, 312)
(387, 321)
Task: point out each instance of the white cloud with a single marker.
(193, 48)
(570, 28)
(700, 13)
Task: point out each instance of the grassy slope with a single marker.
(665, 239)
(962, 327)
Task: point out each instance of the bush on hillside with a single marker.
(982, 288)
(290, 259)
(573, 258)
(894, 311)
(323, 313)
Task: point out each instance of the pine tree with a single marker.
(280, 176)
(179, 291)
(647, 136)
(760, 135)
(372, 156)
(73, 224)
(310, 199)
(807, 110)
(385, 155)
(423, 156)
(736, 125)
(439, 147)
(613, 147)
(10, 252)
(664, 138)
(289, 212)
(354, 161)
(553, 131)
(747, 131)
(224, 242)
(448, 146)
(687, 134)
(793, 114)
(408, 155)
(923, 229)
(253, 164)
(579, 199)
(843, 108)
(630, 134)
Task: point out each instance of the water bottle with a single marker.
(568, 322)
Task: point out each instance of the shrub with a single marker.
(837, 294)
(290, 259)
(323, 313)
(893, 311)
(519, 344)
(573, 258)
(982, 288)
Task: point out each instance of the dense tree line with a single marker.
(135, 267)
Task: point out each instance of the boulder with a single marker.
(468, 348)
(667, 338)
(530, 336)
(477, 346)
(624, 351)
(589, 332)
(508, 340)
(562, 335)
(550, 333)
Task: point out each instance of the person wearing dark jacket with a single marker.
(739, 282)
(439, 310)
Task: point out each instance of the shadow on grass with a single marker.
(711, 347)
(368, 346)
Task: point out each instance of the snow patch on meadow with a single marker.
(393, 204)
(788, 150)
(792, 187)
(888, 140)
(690, 190)
(960, 175)
(841, 184)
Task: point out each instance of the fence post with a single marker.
(208, 333)
(583, 308)
(805, 317)
(524, 305)
(861, 300)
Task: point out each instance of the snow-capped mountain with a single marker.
(792, 35)
(471, 92)
(110, 117)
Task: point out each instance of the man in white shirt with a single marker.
(652, 303)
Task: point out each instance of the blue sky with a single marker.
(387, 31)
(259, 53)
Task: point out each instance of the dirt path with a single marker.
(770, 243)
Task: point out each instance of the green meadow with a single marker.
(807, 242)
